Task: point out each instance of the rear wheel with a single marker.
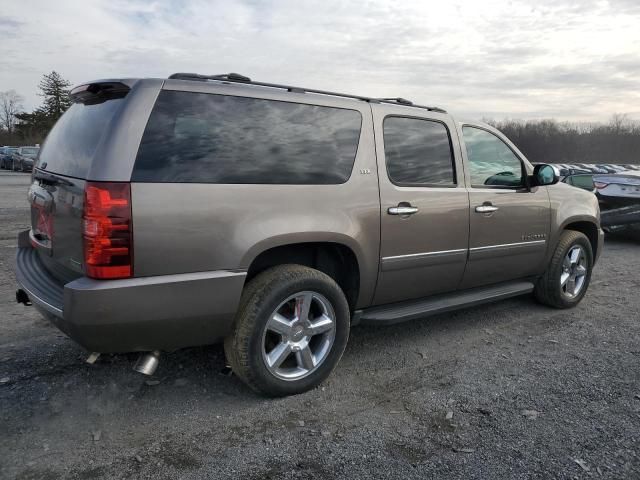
(567, 277)
(290, 332)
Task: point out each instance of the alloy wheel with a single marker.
(574, 272)
(298, 335)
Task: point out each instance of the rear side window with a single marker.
(207, 138)
(418, 152)
(69, 147)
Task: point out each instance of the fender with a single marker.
(571, 205)
(367, 263)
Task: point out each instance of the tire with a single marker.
(253, 343)
(550, 289)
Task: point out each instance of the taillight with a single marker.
(600, 185)
(107, 230)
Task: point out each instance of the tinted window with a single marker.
(205, 138)
(491, 161)
(69, 147)
(581, 181)
(418, 152)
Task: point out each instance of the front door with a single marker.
(509, 223)
(424, 205)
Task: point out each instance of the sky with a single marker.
(574, 60)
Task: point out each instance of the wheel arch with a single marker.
(585, 224)
(338, 259)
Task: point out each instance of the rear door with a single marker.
(509, 223)
(424, 205)
(56, 194)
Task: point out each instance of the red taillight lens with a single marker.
(600, 185)
(107, 230)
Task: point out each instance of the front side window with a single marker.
(207, 138)
(491, 162)
(418, 152)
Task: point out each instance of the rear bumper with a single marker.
(139, 314)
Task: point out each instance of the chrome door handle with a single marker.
(402, 210)
(486, 208)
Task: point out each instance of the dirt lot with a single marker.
(511, 390)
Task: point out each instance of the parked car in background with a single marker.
(6, 154)
(618, 194)
(24, 158)
(578, 178)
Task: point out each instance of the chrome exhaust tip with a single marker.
(92, 358)
(147, 363)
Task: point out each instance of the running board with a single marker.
(413, 309)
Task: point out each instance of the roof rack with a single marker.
(237, 78)
(399, 100)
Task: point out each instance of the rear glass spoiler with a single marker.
(94, 93)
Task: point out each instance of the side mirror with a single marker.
(545, 174)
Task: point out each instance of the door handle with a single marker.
(487, 208)
(402, 210)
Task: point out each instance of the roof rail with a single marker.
(401, 101)
(237, 78)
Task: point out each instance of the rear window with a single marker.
(29, 152)
(207, 138)
(71, 144)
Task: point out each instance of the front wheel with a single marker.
(568, 274)
(290, 331)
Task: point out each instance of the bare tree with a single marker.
(619, 123)
(10, 106)
(550, 141)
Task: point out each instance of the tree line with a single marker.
(18, 127)
(542, 141)
(550, 141)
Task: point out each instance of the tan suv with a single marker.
(184, 211)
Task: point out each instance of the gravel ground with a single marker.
(510, 390)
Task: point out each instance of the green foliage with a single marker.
(55, 91)
(33, 127)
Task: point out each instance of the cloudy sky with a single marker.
(574, 60)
